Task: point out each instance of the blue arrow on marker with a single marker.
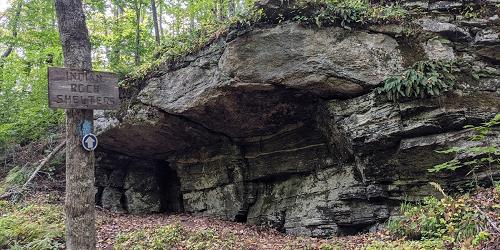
(89, 142)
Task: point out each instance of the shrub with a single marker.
(31, 227)
(347, 13)
(460, 221)
(423, 79)
(15, 178)
(445, 218)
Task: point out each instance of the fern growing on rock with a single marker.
(423, 79)
(484, 155)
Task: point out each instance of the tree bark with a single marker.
(191, 23)
(231, 8)
(114, 59)
(221, 14)
(137, 55)
(80, 197)
(155, 21)
(160, 18)
(15, 24)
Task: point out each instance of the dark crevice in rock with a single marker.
(98, 196)
(354, 229)
(242, 215)
(170, 190)
(124, 202)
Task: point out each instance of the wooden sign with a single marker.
(81, 89)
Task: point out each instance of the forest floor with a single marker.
(200, 232)
(185, 231)
(217, 234)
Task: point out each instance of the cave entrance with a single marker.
(170, 190)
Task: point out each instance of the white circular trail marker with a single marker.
(89, 142)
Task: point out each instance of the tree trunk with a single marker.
(160, 19)
(191, 23)
(114, 60)
(155, 22)
(231, 8)
(222, 15)
(80, 195)
(137, 55)
(14, 26)
(107, 50)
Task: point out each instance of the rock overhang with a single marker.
(280, 126)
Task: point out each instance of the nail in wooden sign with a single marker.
(82, 89)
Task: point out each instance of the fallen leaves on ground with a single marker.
(247, 236)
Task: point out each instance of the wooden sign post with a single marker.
(79, 90)
(82, 89)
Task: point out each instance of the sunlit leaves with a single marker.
(24, 114)
(112, 24)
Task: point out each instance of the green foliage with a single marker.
(16, 177)
(186, 26)
(453, 221)
(29, 29)
(486, 155)
(423, 79)
(328, 247)
(483, 130)
(192, 40)
(469, 12)
(435, 219)
(209, 239)
(173, 237)
(165, 237)
(407, 244)
(31, 227)
(24, 114)
(348, 13)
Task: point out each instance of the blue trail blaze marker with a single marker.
(89, 142)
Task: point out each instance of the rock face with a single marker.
(279, 125)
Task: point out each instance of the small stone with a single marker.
(416, 4)
(445, 5)
(435, 49)
(487, 37)
(141, 201)
(111, 199)
(494, 18)
(492, 53)
(447, 30)
(390, 29)
(475, 22)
